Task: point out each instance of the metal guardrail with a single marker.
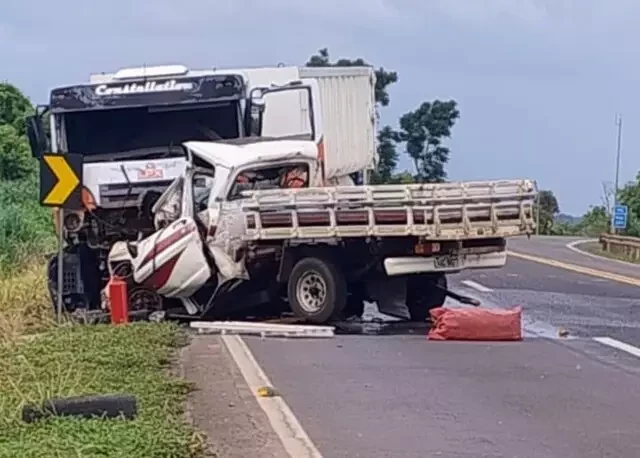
(629, 247)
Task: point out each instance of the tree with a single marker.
(387, 137)
(594, 222)
(629, 195)
(548, 208)
(388, 156)
(423, 131)
(14, 107)
(15, 157)
(384, 78)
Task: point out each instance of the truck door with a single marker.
(289, 111)
(172, 261)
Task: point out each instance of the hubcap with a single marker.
(311, 291)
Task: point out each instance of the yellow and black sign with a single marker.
(61, 181)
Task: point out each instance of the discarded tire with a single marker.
(476, 324)
(106, 406)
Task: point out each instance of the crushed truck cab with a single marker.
(249, 223)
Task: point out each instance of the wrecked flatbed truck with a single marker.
(233, 233)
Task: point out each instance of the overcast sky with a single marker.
(538, 81)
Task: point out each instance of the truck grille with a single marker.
(122, 195)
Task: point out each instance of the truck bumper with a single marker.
(416, 264)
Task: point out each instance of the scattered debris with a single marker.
(266, 392)
(262, 329)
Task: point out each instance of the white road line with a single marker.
(295, 440)
(573, 247)
(635, 351)
(476, 286)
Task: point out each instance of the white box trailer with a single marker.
(347, 96)
(349, 117)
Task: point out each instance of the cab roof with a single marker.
(236, 153)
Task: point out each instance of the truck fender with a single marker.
(117, 255)
(291, 254)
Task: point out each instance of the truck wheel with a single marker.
(423, 295)
(317, 290)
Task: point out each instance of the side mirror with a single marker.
(254, 112)
(37, 136)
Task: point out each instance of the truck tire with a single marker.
(317, 290)
(423, 295)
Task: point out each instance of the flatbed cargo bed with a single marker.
(443, 211)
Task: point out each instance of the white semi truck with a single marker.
(130, 127)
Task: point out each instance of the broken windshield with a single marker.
(105, 132)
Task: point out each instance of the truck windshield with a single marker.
(101, 132)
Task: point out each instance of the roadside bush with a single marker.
(26, 228)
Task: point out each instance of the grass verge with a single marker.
(596, 248)
(81, 360)
(25, 306)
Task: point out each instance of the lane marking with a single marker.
(476, 286)
(572, 246)
(635, 351)
(579, 269)
(295, 440)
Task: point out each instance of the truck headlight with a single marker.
(73, 220)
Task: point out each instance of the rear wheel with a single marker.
(317, 290)
(424, 293)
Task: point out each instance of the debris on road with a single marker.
(562, 332)
(476, 324)
(267, 392)
(262, 329)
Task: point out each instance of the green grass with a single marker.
(596, 248)
(26, 228)
(77, 360)
(26, 237)
(96, 360)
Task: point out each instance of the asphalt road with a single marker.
(548, 396)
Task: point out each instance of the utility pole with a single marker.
(617, 181)
(538, 214)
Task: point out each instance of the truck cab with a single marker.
(130, 127)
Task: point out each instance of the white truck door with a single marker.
(172, 261)
(306, 124)
(305, 114)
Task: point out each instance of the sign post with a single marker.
(620, 217)
(61, 188)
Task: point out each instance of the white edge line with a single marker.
(295, 440)
(476, 286)
(572, 246)
(635, 351)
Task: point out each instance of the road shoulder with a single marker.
(222, 406)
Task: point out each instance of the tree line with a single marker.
(597, 219)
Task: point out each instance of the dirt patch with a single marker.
(222, 406)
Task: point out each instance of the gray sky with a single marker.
(538, 81)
